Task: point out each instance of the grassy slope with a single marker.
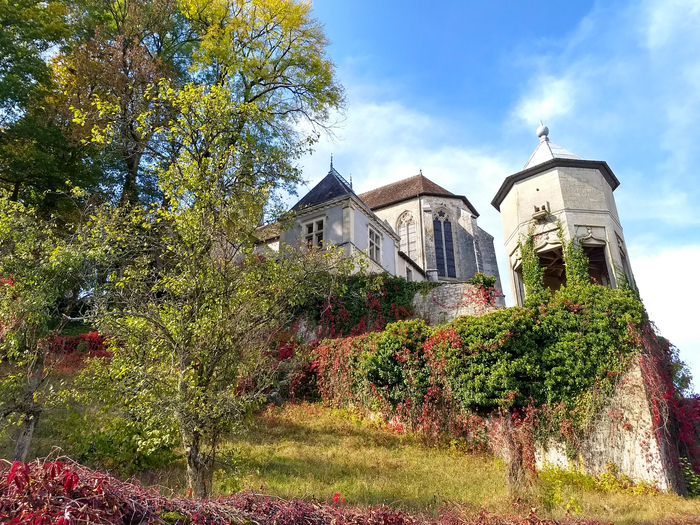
(313, 451)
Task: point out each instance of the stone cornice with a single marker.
(510, 181)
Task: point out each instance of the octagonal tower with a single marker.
(556, 185)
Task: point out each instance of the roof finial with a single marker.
(331, 162)
(351, 181)
(420, 170)
(542, 132)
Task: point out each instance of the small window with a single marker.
(409, 275)
(313, 233)
(375, 243)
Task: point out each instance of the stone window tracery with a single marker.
(408, 235)
(444, 245)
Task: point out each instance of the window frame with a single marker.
(442, 216)
(374, 245)
(316, 236)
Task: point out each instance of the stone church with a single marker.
(413, 228)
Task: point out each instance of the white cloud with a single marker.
(667, 19)
(669, 285)
(546, 98)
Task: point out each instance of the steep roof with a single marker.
(548, 150)
(331, 187)
(408, 189)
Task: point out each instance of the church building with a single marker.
(413, 228)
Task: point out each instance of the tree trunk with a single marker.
(30, 409)
(199, 467)
(130, 190)
(31, 418)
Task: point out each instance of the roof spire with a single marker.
(543, 132)
(351, 181)
(331, 162)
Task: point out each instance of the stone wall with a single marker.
(449, 301)
(623, 433)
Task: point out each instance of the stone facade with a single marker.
(412, 207)
(623, 433)
(449, 301)
(556, 187)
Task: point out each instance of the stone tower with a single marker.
(556, 185)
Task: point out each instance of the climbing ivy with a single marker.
(533, 273)
(575, 259)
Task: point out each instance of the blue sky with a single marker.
(457, 89)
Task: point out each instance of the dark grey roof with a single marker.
(331, 187)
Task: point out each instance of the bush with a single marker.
(438, 380)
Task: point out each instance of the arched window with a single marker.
(444, 245)
(408, 235)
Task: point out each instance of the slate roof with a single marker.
(408, 189)
(331, 187)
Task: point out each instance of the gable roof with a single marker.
(331, 187)
(408, 189)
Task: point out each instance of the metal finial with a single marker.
(331, 161)
(420, 170)
(542, 132)
(351, 181)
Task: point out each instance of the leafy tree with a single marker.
(41, 275)
(193, 307)
(28, 29)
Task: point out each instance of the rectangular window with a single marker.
(409, 275)
(313, 233)
(374, 246)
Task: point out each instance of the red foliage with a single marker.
(676, 418)
(54, 492)
(68, 352)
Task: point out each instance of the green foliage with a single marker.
(692, 479)
(575, 259)
(398, 365)
(533, 273)
(483, 280)
(28, 28)
(364, 302)
(42, 270)
(564, 355)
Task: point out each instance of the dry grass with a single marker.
(314, 452)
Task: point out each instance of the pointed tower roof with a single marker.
(548, 156)
(332, 186)
(547, 150)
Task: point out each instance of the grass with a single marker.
(312, 451)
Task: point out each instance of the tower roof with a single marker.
(546, 156)
(407, 189)
(330, 187)
(547, 150)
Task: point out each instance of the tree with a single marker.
(121, 52)
(192, 307)
(41, 275)
(28, 28)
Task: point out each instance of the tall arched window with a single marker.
(408, 235)
(444, 245)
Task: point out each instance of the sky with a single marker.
(457, 88)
